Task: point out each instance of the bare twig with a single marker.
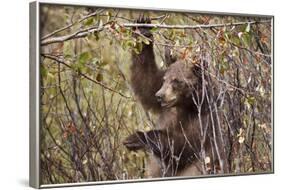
(249, 50)
(199, 26)
(77, 34)
(72, 24)
(132, 20)
(85, 32)
(82, 74)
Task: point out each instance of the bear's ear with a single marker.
(170, 58)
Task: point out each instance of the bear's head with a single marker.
(179, 83)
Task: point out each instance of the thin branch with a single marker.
(77, 34)
(91, 15)
(200, 26)
(132, 20)
(72, 24)
(249, 50)
(82, 74)
(85, 32)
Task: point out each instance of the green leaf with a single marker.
(146, 41)
(76, 67)
(172, 35)
(100, 24)
(83, 58)
(226, 35)
(96, 61)
(50, 75)
(251, 100)
(247, 29)
(89, 21)
(246, 37)
(123, 45)
(235, 39)
(189, 40)
(67, 56)
(224, 66)
(138, 48)
(43, 71)
(109, 15)
(154, 29)
(99, 77)
(68, 48)
(97, 36)
(130, 43)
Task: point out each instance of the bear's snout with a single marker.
(159, 96)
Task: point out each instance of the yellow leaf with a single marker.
(241, 140)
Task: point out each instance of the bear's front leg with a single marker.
(135, 141)
(154, 140)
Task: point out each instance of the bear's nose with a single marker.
(159, 97)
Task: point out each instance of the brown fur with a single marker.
(176, 144)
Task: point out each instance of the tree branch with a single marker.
(85, 32)
(72, 24)
(77, 34)
(82, 74)
(199, 26)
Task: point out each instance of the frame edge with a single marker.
(34, 180)
(34, 91)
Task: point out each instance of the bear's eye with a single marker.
(177, 83)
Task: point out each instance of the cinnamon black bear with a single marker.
(178, 143)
